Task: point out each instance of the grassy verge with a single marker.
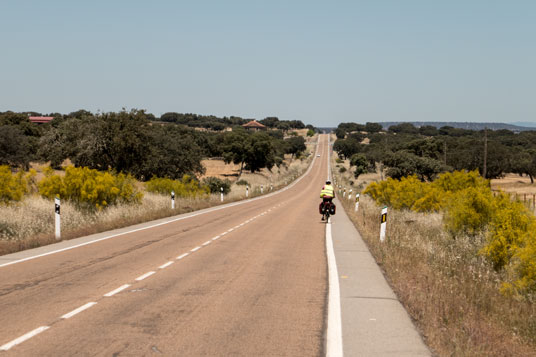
(30, 223)
(450, 291)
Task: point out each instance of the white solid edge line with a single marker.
(23, 338)
(118, 290)
(334, 347)
(334, 334)
(144, 276)
(182, 256)
(217, 237)
(79, 310)
(163, 266)
(195, 249)
(209, 210)
(207, 242)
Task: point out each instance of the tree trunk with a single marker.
(531, 179)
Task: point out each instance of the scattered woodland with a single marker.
(134, 142)
(426, 151)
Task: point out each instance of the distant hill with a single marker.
(528, 124)
(465, 125)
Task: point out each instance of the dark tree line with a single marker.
(134, 143)
(404, 149)
(218, 124)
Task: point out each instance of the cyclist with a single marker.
(327, 194)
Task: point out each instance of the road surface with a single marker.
(249, 279)
(256, 286)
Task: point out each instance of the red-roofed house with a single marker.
(254, 126)
(41, 120)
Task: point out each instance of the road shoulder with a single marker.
(374, 322)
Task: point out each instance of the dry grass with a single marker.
(448, 289)
(30, 223)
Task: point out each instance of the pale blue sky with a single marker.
(322, 62)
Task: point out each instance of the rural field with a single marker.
(30, 222)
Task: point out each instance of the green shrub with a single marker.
(215, 185)
(339, 160)
(342, 170)
(186, 187)
(90, 188)
(242, 183)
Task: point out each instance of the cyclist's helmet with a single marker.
(328, 182)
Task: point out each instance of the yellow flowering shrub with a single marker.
(398, 194)
(510, 227)
(90, 188)
(469, 211)
(186, 187)
(12, 186)
(469, 207)
(524, 268)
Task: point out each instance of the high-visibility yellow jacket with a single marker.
(327, 191)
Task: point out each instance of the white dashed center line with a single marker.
(146, 275)
(163, 266)
(23, 338)
(182, 256)
(38, 330)
(118, 290)
(79, 310)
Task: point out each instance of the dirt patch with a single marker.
(218, 168)
(514, 183)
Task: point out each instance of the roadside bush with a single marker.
(13, 187)
(524, 269)
(469, 211)
(342, 170)
(398, 194)
(186, 187)
(469, 208)
(90, 188)
(215, 184)
(339, 160)
(511, 226)
(242, 183)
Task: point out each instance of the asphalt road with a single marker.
(254, 282)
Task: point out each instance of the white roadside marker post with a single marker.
(221, 189)
(247, 191)
(271, 187)
(356, 202)
(344, 193)
(172, 199)
(383, 224)
(57, 218)
(262, 189)
(350, 195)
